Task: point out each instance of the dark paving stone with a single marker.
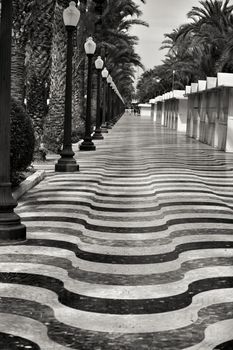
(225, 346)
(11, 342)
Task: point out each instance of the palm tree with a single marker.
(183, 57)
(39, 63)
(79, 73)
(39, 57)
(21, 18)
(119, 44)
(201, 47)
(150, 84)
(197, 49)
(53, 125)
(211, 30)
(105, 38)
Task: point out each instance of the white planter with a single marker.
(188, 89)
(201, 85)
(178, 93)
(194, 87)
(225, 79)
(211, 82)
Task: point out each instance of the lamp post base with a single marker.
(66, 167)
(104, 129)
(87, 145)
(11, 228)
(66, 163)
(98, 135)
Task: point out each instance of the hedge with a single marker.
(22, 141)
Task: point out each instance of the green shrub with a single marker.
(22, 141)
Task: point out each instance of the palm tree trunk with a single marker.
(79, 76)
(39, 66)
(18, 72)
(53, 126)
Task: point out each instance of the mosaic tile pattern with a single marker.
(133, 252)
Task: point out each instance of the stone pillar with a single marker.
(225, 118)
(159, 107)
(176, 110)
(163, 111)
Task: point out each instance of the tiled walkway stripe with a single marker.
(133, 252)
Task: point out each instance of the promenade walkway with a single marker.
(133, 252)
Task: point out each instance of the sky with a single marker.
(162, 16)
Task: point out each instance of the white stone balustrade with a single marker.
(211, 82)
(194, 87)
(201, 85)
(210, 111)
(204, 109)
(145, 109)
(158, 115)
(152, 103)
(171, 110)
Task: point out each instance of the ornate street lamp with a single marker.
(98, 135)
(10, 223)
(87, 144)
(67, 163)
(109, 79)
(104, 76)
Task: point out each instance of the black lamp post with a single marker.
(98, 135)
(173, 79)
(119, 103)
(87, 144)
(116, 102)
(113, 102)
(10, 224)
(109, 94)
(67, 163)
(104, 128)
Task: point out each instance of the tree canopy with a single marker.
(39, 58)
(200, 48)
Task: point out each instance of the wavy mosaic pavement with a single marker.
(133, 252)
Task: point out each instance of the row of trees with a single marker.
(39, 58)
(202, 47)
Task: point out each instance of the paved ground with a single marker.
(133, 252)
